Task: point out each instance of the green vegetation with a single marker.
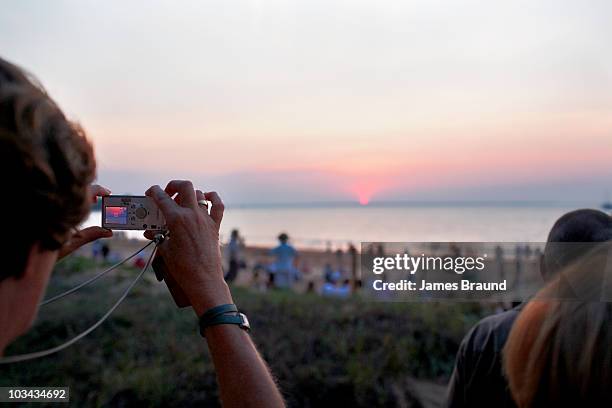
(322, 351)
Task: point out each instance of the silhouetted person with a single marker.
(339, 259)
(283, 269)
(105, 251)
(499, 260)
(333, 288)
(527, 251)
(478, 380)
(234, 248)
(518, 260)
(329, 286)
(311, 287)
(354, 259)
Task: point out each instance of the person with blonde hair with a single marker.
(478, 379)
(559, 351)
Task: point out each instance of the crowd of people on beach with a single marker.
(337, 272)
(281, 268)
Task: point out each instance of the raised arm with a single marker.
(193, 258)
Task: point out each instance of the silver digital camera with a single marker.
(123, 212)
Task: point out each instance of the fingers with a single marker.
(96, 191)
(166, 204)
(99, 190)
(200, 196)
(83, 237)
(186, 194)
(187, 197)
(150, 234)
(92, 233)
(216, 212)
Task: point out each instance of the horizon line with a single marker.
(411, 203)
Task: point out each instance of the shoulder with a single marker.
(288, 248)
(478, 379)
(491, 332)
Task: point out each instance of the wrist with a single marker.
(211, 295)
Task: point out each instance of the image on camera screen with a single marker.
(116, 215)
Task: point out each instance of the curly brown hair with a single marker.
(47, 167)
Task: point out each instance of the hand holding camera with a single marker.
(87, 235)
(189, 260)
(191, 251)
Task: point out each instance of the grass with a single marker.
(322, 351)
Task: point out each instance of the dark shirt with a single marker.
(478, 379)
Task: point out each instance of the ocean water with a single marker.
(335, 226)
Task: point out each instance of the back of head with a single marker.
(47, 167)
(572, 236)
(585, 225)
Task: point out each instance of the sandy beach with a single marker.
(310, 262)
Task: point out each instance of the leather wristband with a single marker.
(223, 314)
(217, 310)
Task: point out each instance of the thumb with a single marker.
(91, 234)
(83, 237)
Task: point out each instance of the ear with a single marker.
(40, 263)
(38, 268)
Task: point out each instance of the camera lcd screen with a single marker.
(116, 215)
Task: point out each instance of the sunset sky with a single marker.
(326, 100)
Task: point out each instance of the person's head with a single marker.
(283, 238)
(235, 234)
(558, 352)
(47, 167)
(564, 241)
